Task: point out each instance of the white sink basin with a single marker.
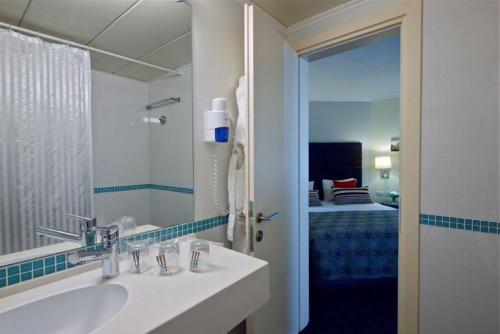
(75, 311)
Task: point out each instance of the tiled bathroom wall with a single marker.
(460, 168)
(142, 170)
(120, 147)
(215, 74)
(171, 150)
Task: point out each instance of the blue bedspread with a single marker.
(353, 244)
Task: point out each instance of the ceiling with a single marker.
(289, 12)
(153, 31)
(362, 74)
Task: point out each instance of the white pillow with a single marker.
(327, 190)
(311, 185)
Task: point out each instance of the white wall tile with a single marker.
(460, 166)
(171, 208)
(120, 147)
(461, 122)
(460, 35)
(456, 186)
(210, 191)
(171, 145)
(111, 206)
(460, 114)
(171, 149)
(447, 312)
(120, 138)
(128, 151)
(217, 65)
(461, 261)
(217, 234)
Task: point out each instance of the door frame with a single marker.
(408, 16)
(284, 309)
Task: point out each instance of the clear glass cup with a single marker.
(199, 256)
(127, 225)
(138, 253)
(168, 257)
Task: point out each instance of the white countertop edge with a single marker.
(221, 319)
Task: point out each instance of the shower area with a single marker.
(86, 130)
(143, 151)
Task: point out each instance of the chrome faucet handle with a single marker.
(86, 224)
(109, 255)
(87, 228)
(78, 217)
(109, 234)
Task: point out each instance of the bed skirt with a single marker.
(353, 245)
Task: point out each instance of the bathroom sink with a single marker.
(77, 311)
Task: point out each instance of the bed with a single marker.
(354, 241)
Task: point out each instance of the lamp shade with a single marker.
(383, 162)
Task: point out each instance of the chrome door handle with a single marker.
(261, 218)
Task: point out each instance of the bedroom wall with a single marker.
(341, 122)
(460, 168)
(371, 123)
(384, 124)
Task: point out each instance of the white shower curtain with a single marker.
(45, 138)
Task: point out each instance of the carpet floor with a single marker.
(354, 307)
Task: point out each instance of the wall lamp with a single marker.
(384, 164)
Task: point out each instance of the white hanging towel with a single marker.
(236, 175)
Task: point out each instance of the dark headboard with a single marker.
(334, 161)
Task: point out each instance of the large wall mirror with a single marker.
(89, 134)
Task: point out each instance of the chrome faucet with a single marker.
(109, 255)
(86, 232)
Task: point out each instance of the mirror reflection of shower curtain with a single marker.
(45, 138)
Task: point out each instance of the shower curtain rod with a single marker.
(85, 47)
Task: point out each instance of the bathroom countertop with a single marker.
(187, 302)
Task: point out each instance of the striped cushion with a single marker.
(351, 196)
(314, 198)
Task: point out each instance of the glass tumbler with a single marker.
(199, 256)
(138, 253)
(168, 257)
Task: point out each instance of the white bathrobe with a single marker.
(236, 175)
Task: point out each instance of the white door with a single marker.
(273, 168)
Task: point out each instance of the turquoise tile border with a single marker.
(113, 189)
(171, 188)
(458, 223)
(25, 271)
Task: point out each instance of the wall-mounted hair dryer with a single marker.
(216, 122)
